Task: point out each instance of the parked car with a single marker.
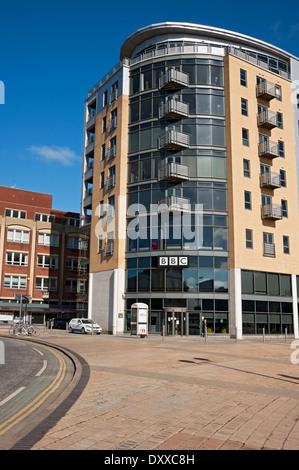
(59, 323)
(84, 325)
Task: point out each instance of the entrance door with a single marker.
(175, 321)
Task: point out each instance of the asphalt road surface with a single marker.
(29, 374)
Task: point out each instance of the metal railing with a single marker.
(110, 182)
(174, 78)
(111, 152)
(269, 249)
(268, 149)
(108, 249)
(270, 179)
(271, 211)
(112, 124)
(173, 139)
(175, 203)
(266, 90)
(267, 119)
(173, 171)
(173, 108)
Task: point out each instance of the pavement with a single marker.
(178, 394)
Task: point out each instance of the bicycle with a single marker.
(24, 330)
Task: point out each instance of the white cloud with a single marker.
(63, 155)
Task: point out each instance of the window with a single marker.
(278, 92)
(286, 245)
(48, 239)
(102, 179)
(44, 218)
(297, 100)
(101, 209)
(246, 168)
(249, 243)
(77, 243)
(47, 284)
(18, 236)
(283, 178)
(244, 107)
(284, 208)
(71, 221)
(103, 151)
(74, 285)
(279, 120)
(247, 200)
(18, 259)
(47, 261)
(104, 123)
(105, 99)
(243, 77)
(76, 264)
(245, 137)
(281, 148)
(15, 213)
(15, 282)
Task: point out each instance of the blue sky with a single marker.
(53, 52)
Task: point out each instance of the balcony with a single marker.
(111, 152)
(173, 172)
(269, 249)
(88, 173)
(271, 211)
(173, 79)
(113, 95)
(85, 220)
(91, 119)
(267, 119)
(112, 124)
(87, 201)
(90, 144)
(110, 183)
(266, 90)
(173, 109)
(270, 180)
(175, 204)
(108, 249)
(173, 140)
(268, 149)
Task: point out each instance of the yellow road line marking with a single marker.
(32, 406)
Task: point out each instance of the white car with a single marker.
(84, 325)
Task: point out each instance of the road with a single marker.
(30, 375)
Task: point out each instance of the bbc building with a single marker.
(189, 184)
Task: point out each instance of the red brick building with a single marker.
(43, 255)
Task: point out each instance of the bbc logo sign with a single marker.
(173, 261)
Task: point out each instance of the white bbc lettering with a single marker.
(163, 261)
(183, 260)
(173, 260)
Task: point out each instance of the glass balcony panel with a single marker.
(173, 172)
(174, 79)
(268, 149)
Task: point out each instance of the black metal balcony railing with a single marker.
(266, 90)
(268, 149)
(269, 249)
(267, 119)
(173, 172)
(174, 79)
(271, 211)
(173, 109)
(173, 139)
(270, 180)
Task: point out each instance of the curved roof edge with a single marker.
(143, 34)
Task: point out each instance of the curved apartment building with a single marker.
(189, 184)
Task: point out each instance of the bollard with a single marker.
(236, 334)
(206, 331)
(286, 334)
(66, 328)
(263, 335)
